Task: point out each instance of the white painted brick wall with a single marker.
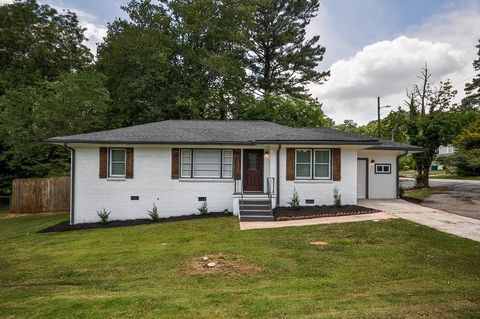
(153, 184)
(320, 190)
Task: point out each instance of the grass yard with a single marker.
(387, 269)
(453, 176)
(421, 193)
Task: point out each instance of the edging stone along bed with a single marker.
(65, 226)
(306, 212)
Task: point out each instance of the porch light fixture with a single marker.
(372, 161)
(267, 154)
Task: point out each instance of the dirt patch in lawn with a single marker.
(306, 212)
(65, 226)
(219, 263)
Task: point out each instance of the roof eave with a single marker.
(74, 141)
(398, 148)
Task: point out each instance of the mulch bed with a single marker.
(306, 212)
(65, 226)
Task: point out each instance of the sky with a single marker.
(373, 47)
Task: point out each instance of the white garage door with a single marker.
(361, 178)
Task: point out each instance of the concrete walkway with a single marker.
(315, 221)
(449, 223)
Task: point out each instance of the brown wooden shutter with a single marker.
(129, 164)
(237, 164)
(175, 163)
(103, 167)
(337, 164)
(290, 164)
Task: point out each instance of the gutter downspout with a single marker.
(398, 172)
(72, 183)
(277, 199)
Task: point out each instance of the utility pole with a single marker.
(378, 113)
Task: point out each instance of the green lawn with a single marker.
(440, 174)
(387, 269)
(453, 176)
(422, 193)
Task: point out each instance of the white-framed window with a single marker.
(313, 164)
(117, 160)
(206, 163)
(383, 168)
(186, 163)
(227, 163)
(303, 164)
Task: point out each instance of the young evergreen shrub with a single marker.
(154, 213)
(103, 215)
(295, 200)
(337, 198)
(203, 209)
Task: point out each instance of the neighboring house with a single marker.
(444, 150)
(245, 167)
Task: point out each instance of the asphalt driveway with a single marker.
(460, 197)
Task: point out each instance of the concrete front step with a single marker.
(255, 218)
(256, 213)
(254, 202)
(255, 207)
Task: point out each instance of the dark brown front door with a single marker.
(253, 170)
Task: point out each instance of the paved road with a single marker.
(460, 196)
(450, 223)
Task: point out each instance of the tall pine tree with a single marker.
(472, 89)
(281, 59)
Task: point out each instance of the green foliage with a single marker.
(203, 209)
(407, 163)
(281, 59)
(393, 127)
(75, 103)
(472, 89)
(466, 158)
(38, 44)
(181, 59)
(337, 197)
(429, 122)
(154, 213)
(103, 215)
(286, 110)
(294, 201)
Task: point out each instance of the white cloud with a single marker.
(387, 68)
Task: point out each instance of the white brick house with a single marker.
(179, 164)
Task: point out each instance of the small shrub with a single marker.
(295, 201)
(103, 215)
(337, 197)
(401, 191)
(154, 213)
(203, 209)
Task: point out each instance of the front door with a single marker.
(253, 170)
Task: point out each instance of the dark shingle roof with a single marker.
(216, 132)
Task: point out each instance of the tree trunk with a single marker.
(422, 179)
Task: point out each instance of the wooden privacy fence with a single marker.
(36, 195)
